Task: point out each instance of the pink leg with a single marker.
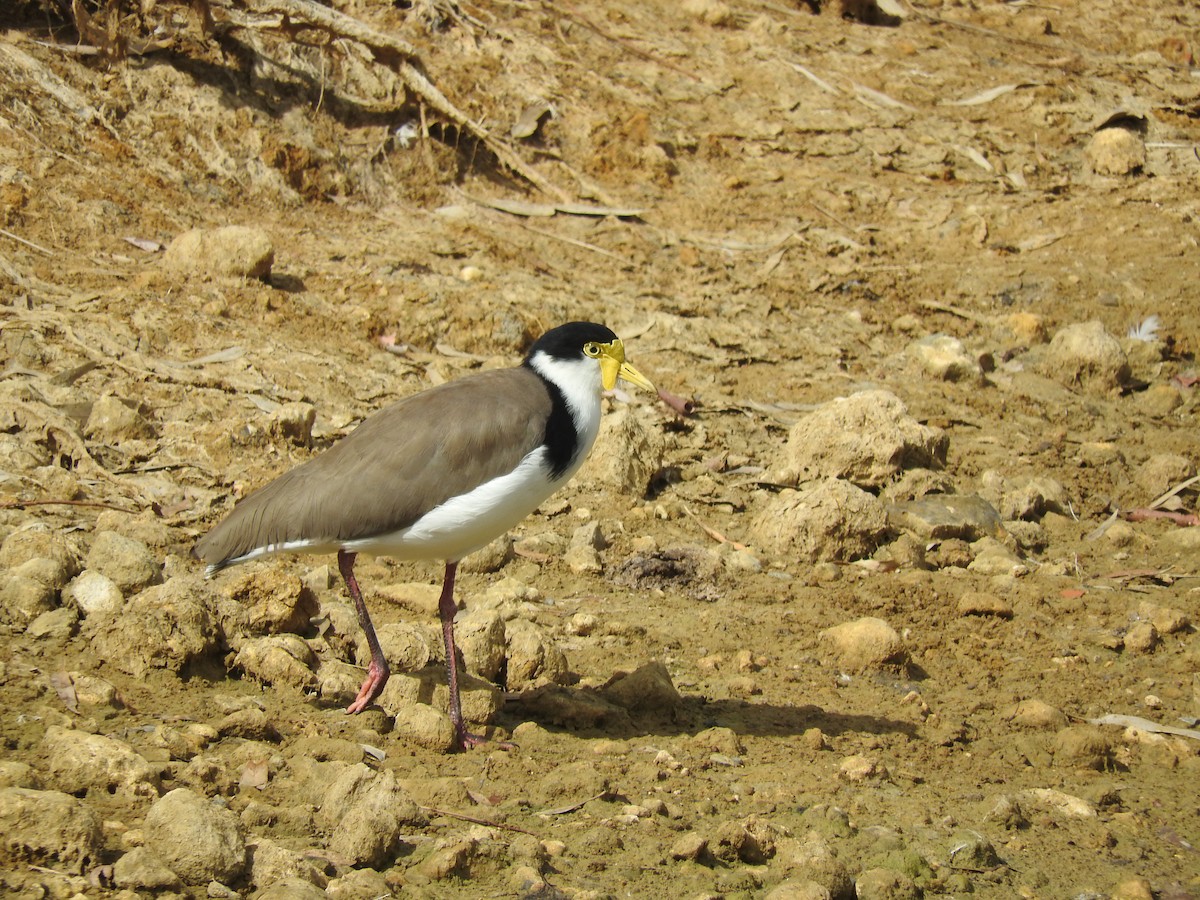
(378, 670)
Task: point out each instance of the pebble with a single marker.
(944, 357)
(265, 601)
(23, 599)
(831, 520)
(533, 659)
(293, 423)
(1115, 151)
(797, 889)
(55, 626)
(1083, 746)
(481, 637)
(196, 839)
(113, 420)
(359, 884)
(38, 541)
(719, 739)
(628, 453)
(1027, 499)
(271, 863)
(167, 626)
(142, 869)
(971, 850)
(977, 603)
(689, 846)
(51, 828)
(648, 687)
(234, 250)
(1161, 472)
(864, 644)
(365, 813)
(278, 659)
(292, 889)
(884, 884)
(1132, 888)
(93, 594)
(1142, 637)
(940, 517)
(1085, 355)
(1038, 714)
(78, 762)
(407, 647)
(860, 768)
(1167, 619)
(406, 693)
(867, 439)
(128, 563)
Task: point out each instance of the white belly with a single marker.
(465, 523)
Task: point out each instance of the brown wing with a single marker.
(396, 466)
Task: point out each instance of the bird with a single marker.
(435, 476)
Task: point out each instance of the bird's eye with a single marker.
(591, 349)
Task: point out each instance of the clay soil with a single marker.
(812, 195)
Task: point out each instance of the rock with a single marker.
(167, 626)
(976, 603)
(796, 889)
(292, 889)
(1037, 714)
(198, 840)
(17, 774)
(1025, 499)
(710, 12)
(1083, 746)
(1161, 472)
(491, 558)
(421, 724)
(359, 884)
(50, 572)
(971, 850)
(480, 636)
(265, 601)
(271, 863)
(23, 599)
(1166, 619)
(1115, 151)
(812, 859)
(1142, 637)
(990, 557)
(833, 520)
(1057, 803)
(864, 644)
(628, 453)
(860, 768)
(407, 647)
(293, 423)
(532, 658)
(648, 687)
(78, 762)
(481, 700)
(141, 869)
(113, 420)
(1087, 356)
(944, 357)
(94, 594)
(941, 516)
(128, 563)
(1160, 400)
(235, 250)
(56, 626)
(50, 828)
(751, 841)
(279, 659)
(38, 541)
(867, 439)
(689, 846)
(1132, 888)
(719, 739)
(249, 724)
(885, 884)
(365, 814)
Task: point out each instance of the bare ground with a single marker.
(814, 195)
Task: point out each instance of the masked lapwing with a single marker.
(437, 475)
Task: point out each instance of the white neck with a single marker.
(579, 381)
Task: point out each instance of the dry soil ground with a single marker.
(814, 197)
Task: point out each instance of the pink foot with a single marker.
(372, 687)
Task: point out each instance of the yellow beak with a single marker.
(613, 366)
